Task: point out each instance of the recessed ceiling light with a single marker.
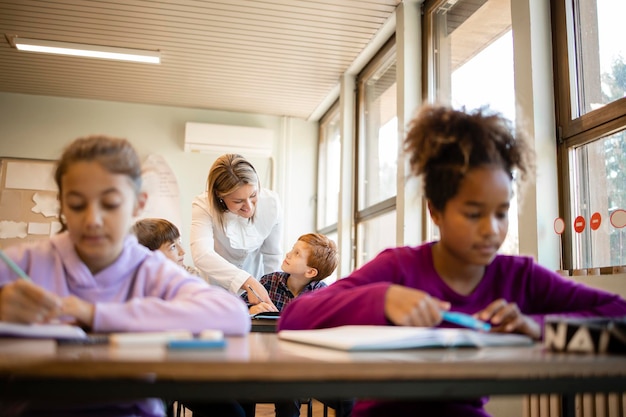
(85, 50)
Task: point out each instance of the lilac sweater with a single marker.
(360, 299)
(140, 291)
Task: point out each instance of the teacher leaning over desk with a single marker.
(236, 228)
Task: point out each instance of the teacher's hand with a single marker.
(257, 293)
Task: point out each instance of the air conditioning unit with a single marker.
(221, 139)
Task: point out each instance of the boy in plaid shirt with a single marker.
(312, 258)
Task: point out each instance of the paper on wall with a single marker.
(160, 184)
(38, 228)
(10, 229)
(30, 176)
(55, 227)
(46, 204)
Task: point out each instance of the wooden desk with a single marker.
(264, 325)
(259, 366)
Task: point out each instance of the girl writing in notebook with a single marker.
(468, 162)
(95, 274)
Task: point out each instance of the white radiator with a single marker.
(586, 405)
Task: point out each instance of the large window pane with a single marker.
(329, 165)
(472, 46)
(375, 235)
(598, 184)
(487, 79)
(598, 53)
(378, 143)
(377, 156)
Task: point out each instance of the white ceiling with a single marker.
(276, 57)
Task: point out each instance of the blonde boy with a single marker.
(312, 258)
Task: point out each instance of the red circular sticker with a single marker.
(595, 221)
(579, 224)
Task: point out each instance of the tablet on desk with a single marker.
(271, 315)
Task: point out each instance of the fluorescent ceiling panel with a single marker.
(84, 50)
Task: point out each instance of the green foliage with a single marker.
(615, 157)
(615, 81)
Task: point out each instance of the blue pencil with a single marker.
(13, 266)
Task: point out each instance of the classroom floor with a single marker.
(267, 410)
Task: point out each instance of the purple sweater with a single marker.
(140, 291)
(536, 290)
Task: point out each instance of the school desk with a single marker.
(259, 366)
(264, 325)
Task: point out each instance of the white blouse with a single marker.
(228, 257)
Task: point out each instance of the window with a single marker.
(597, 67)
(328, 178)
(590, 85)
(378, 144)
(377, 150)
(329, 165)
(375, 234)
(471, 66)
(604, 161)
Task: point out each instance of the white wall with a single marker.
(39, 127)
(534, 98)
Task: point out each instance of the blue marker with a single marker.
(192, 344)
(14, 266)
(465, 320)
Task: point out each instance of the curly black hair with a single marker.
(444, 144)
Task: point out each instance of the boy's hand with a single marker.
(410, 307)
(506, 317)
(257, 293)
(22, 301)
(262, 308)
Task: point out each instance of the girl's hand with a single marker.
(506, 317)
(257, 293)
(79, 309)
(410, 307)
(22, 301)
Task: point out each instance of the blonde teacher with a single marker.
(236, 229)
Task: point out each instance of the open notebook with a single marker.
(46, 331)
(268, 315)
(355, 338)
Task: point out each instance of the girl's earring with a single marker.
(62, 217)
